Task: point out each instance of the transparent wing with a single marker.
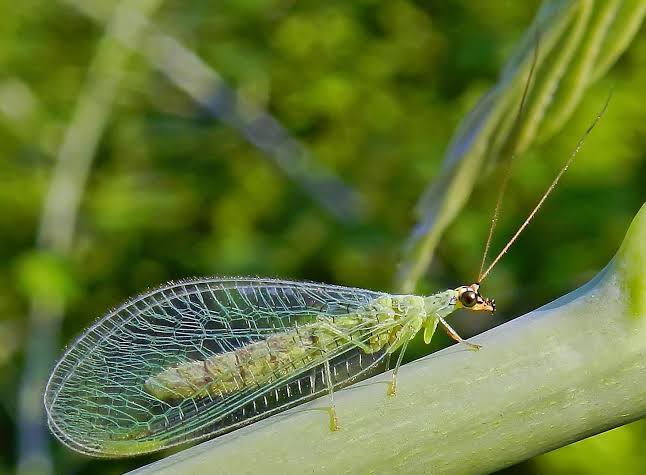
(97, 398)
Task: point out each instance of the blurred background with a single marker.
(143, 141)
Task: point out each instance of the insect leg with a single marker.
(453, 334)
(392, 388)
(334, 422)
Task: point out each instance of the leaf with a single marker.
(578, 41)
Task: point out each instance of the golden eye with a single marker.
(468, 298)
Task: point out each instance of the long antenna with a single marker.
(551, 187)
(507, 172)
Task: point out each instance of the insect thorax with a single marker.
(441, 304)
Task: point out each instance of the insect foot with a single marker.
(334, 421)
(392, 388)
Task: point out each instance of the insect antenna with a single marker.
(507, 172)
(549, 189)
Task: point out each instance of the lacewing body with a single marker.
(198, 358)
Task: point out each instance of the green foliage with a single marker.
(618, 449)
(45, 276)
(374, 90)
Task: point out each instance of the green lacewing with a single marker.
(201, 357)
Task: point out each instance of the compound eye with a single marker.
(468, 298)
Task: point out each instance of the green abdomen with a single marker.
(286, 353)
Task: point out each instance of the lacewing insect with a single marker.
(201, 357)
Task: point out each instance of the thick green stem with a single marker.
(571, 369)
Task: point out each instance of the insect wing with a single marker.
(142, 378)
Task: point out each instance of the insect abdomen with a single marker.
(253, 364)
(281, 354)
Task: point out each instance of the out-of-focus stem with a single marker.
(58, 220)
(206, 87)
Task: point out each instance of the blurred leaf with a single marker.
(573, 37)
